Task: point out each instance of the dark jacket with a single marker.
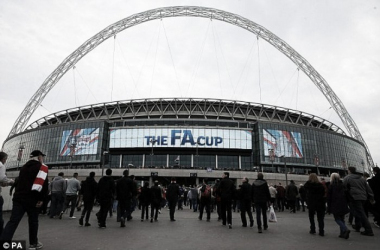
(89, 189)
(357, 187)
(226, 189)
(315, 195)
(155, 195)
(145, 196)
(125, 189)
(302, 192)
(246, 191)
(260, 191)
(106, 189)
(172, 192)
(374, 183)
(291, 192)
(336, 199)
(27, 175)
(280, 192)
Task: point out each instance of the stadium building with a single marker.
(188, 138)
(187, 134)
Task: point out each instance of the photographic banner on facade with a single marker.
(283, 143)
(180, 138)
(79, 142)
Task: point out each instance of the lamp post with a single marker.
(316, 161)
(72, 153)
(152, 142)
(271, 157)
(286, 170)
(104, 155)
(196, 154)
(19, 156)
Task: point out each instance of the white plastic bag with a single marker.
(272, 215)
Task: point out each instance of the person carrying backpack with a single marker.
(205, 200)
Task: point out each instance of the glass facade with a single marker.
(81, 145)
(309, 147)
(53, 143)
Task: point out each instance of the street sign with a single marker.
(154, 174)
(193, 174)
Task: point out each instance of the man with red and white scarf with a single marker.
(28, 197)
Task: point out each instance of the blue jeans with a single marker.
(195, 204)
(261, 208)
(339, 219)
(18, 211)
(361, 219)
(56, 206)
(70, 199)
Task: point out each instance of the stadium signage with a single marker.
(184, 137)
(180, 137)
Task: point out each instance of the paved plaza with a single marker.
(290, 232)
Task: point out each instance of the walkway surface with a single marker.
(290, 232)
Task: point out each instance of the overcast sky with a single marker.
(193, 57)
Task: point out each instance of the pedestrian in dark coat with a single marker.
(226, 189)
(172, 196)
(89, 189)
(125, 192)
(291, 196)
(315, 199)
(374, 183)
(155, 198)
(245, 202)
(337, 204)
(261, 198)
(105, 194)
(145, 200)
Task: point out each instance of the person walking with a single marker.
(291, 196)
(28, 198)
(89, 189)
(218, 199)
(172, 196)
(145, 200)
(280, 197)
(245, 202)
(73, 187)
(359, 192)
(315, 200)
(226, 189)
(106, 191)
(374, 183)
(4, 181)
(125, 191)
(156, 199)
(194, 198)
(205, 201)
(261, 197)
(58, 190)
(302, 192)
(337, 204)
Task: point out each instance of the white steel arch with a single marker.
(190, 11)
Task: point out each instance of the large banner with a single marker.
(79, 142)
(283, 143)
(180, 138)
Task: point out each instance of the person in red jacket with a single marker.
(28, 198)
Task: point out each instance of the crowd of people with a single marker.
(355, 196)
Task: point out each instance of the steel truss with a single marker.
(190, 11)
(175, 108)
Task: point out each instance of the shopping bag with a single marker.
(272, 215)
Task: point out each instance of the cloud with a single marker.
(153, 59)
